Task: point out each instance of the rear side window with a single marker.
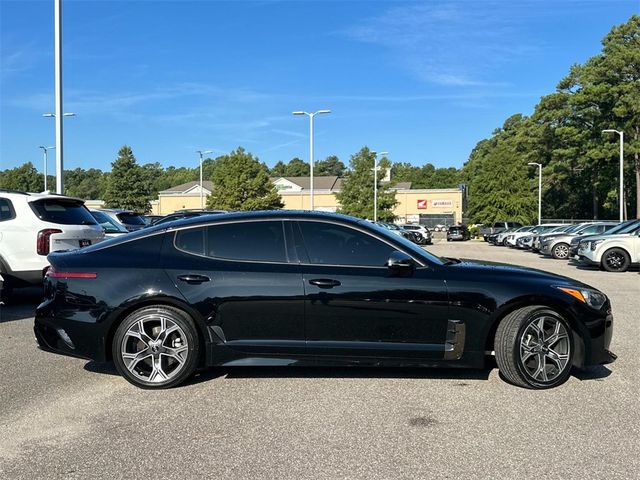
(6, 210)
(131, 219)
(331, 244)
(250, 241)
(62, 211)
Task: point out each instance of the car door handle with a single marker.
(325, 282)
(193, 279)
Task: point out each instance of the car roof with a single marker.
(115, 210)
(33, 196)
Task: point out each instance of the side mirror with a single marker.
(400, 261)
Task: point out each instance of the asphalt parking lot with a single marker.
(68, 418)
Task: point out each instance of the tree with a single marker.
(86, 184)
(356, 195)
(279, 169)
(297, 168)
(129, 186)
(241, 182)
(24, 178)
(330, 166)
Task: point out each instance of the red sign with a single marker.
(422, 204)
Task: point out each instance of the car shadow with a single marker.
(22, 304)
(597, 373)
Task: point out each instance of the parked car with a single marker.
(498, 227)
(110, 227)
(613, 253)
(130, 220)
(458, 232)
(180, 214)
(620, 228)
(557, 244)
(501, 239)
(535, 241)
(395, 229)
(34, 224)
(526, 241)
(322, 289)
(424, 231)
(440, 228)
(511, 239)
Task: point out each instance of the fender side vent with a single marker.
(454, 345)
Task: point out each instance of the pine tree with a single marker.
(128, 187)
(241, 182)
(356, 195)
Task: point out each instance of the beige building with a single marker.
(429, 206)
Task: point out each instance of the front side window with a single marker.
(330, 244)
(248, 241)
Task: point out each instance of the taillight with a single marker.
(55, 274)
(42, 243)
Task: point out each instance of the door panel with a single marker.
(368, 310)
(255, 307)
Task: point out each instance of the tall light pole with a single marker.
(621, 191)
(539, 165)
(58, 147)
(201, 153)
(57, 14)
(45, 150)
(311, 115)
(375, 183)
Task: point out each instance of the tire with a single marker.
(162, 345)
(615, 260)
(531, 360)
(6, 291)
(560, 251)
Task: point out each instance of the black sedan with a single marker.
(301, 288)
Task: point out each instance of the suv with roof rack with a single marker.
(34, 224)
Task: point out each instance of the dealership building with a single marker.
(426, 206)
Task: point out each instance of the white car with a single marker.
(34, 224)
(511, 239)
(613, 253)
(424, 231)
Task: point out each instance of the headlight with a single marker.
(595, 243)
(591, 297)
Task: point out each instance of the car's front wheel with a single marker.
(534, 347)
(615, 260)
(156, 347)
(560, 251)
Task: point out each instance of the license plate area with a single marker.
(84, 243)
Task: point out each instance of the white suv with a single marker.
(613, 253)
(34, 224)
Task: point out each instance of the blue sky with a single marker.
(422, 80)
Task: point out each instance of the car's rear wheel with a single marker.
(560, 251)
(534, 348)
(156, 347)
(615, 260)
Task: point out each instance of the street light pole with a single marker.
(375, 183)
(539, 165)
(621, 188)
(57, 9)
(45, 150)
(311, 117)
(201, 153)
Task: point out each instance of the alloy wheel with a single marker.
(615, 260)
(561, 251)
(545, 349)
(154, 349)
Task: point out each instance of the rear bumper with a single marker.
(67, 337)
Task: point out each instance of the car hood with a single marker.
(507, 270)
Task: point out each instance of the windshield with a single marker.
(408, 245)
(631, 228)
(618, 228)
(107, 223)
(131, 219)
